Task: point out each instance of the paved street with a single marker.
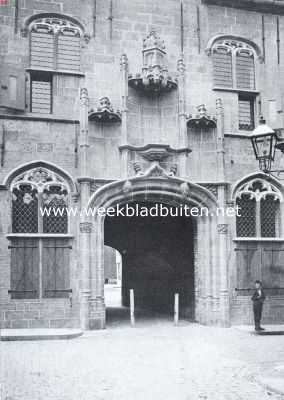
(154, 360)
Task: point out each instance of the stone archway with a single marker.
(211, 299)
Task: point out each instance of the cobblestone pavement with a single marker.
(154, 360)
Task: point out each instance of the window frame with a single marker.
(235, 46)
(251, 98)
(63, 23)
(269, 190)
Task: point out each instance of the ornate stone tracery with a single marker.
(259, 189)
(55, 25)
(154, 77)
(39, 178)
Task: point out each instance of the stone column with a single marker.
(97, 303)
(124, 111)
(182, 140)
(220, 141)
(222, 232)
(85, 225)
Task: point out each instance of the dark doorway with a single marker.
(157, 260)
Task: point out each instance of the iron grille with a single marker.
(55, 218)
(246, 222)
(25, 210)
(268, 211)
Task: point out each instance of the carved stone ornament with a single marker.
(154, 77)
(211, 187)
(259, 189)
(222, 229)
(55, 25)
(156, 171)
(184, 188)
(127, 186)
(39, 178)
(86, 227)
(202, 119)
(104, 112)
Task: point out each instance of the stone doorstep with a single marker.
(8, 335)
(270, 330)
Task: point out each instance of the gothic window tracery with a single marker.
(259, 209)
(39, 256)
(39, 201)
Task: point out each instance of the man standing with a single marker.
(258, 299)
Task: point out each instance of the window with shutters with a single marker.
(55, 47)
(233, 65)
(259, 209)
(246, 112)
(39, 258)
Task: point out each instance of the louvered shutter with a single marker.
(222, 68)
(55, 267)
(41, 95)
(68, 51)
(24, 269)
(246, 114)
(42, 48)
(245, 71)
(12, 87)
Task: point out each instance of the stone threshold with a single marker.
(9, 335)
(270, 330)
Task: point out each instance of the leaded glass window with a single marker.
(39, 202)
(39, 261)
(259, 209)
(55, 220)
(25, 209)
(246, 223)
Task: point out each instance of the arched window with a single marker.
(259, 209)
(39, 201)
(55, 47)
(234, 69)
(55, 44)
(39, 246)
(234, 64)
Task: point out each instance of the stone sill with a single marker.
(261, 6)
(236, 90)
(258, 239)
(38, 117)
(56, 71)
(39, 235)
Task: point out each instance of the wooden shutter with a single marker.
(12, 87)
(222, 68)
(41, 93)
(245, 71)
(68, 51)
(24, 269)
(273, 267)
(248, 266)
(246, 113)
(55, 267)
(42, 49)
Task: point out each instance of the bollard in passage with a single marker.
(132, 307)
(176, 309)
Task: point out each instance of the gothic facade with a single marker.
(106, 103)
